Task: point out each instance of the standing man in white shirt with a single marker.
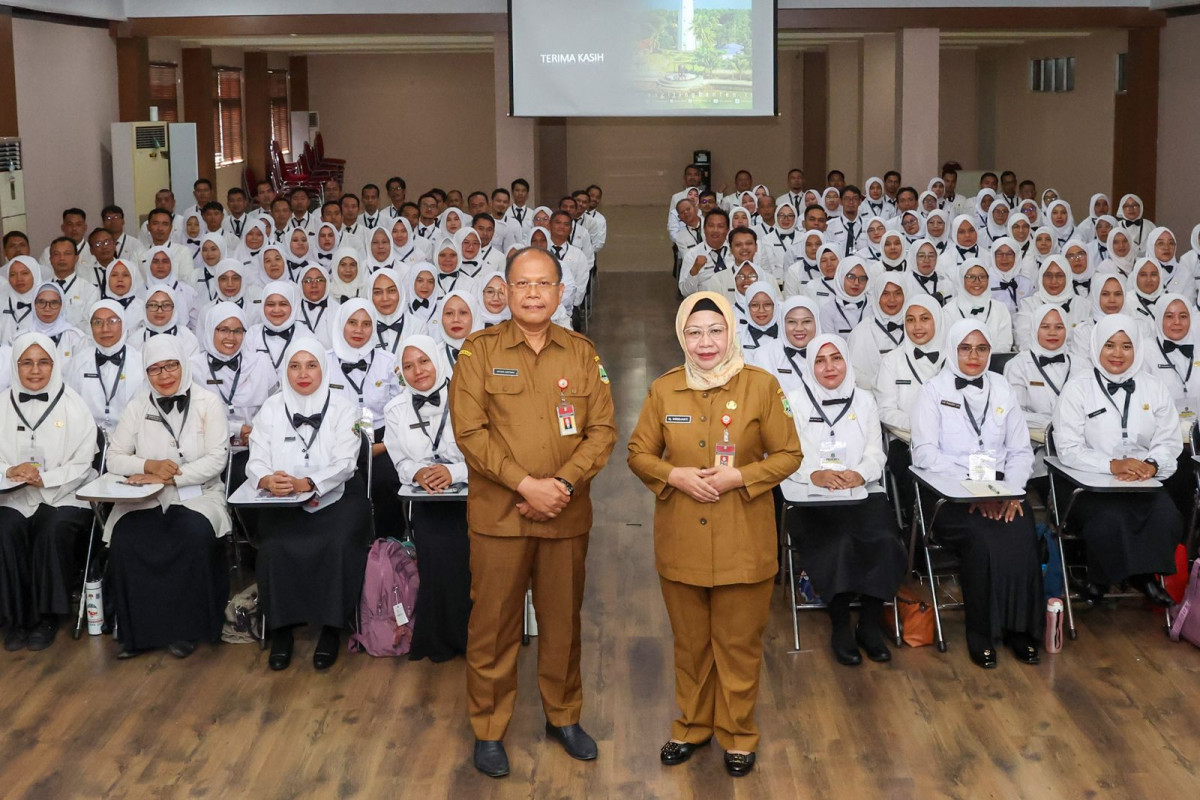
(236, 218)
(691, 232)
(849, 229)
(794, 196)
(74, 227)
(113, 218)
(264, 195)
(520, 209)
(371, 214)
(354, 233)
(596, 226)
(165, 199)
(692, 176)
(302, 218)
(427, 216)
(743, 181)
(397, 191)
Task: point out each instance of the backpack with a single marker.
(389, 599)
(1186, 624)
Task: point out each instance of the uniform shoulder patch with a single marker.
(787, 407)
(464, 352)
(603, 374)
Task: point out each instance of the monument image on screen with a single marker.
(643, 57)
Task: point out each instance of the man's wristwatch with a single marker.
(568, 484)
(1152, 463)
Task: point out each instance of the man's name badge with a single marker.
(566, 420)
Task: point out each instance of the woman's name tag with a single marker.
(833, 455)
(566, 420)
(725, 455)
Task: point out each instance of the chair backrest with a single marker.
(1051, 450)
(320, 147)
(1194, 438)
(364, 461)
(999, 360)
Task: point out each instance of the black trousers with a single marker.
(40, 561)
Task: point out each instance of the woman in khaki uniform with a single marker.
(699, 446)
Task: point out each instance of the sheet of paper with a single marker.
(988, 489)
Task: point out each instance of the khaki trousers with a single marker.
(718, 659)
(501, 570)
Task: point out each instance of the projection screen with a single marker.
(642, 58)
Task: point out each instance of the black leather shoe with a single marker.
(870, 639)
(844, 648)
(490, 758)
(739, 764)
(985, 658)
(1154, 593)
(127, 654)
(574, 740)
(43, 635)
(1024, 648)
(673, 753)
(281, 649)
(1093, 593)
(16, 639)
(330, 641)
(181, 649)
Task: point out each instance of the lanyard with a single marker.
(162, 417)
(12, 398)
(821, 412)
(913, 369)
(237, 376)
(888, 334)
(1182, 378)
(307, 445)
(1046, 377)
(977, 425)
(424, 426)
(395, 342)
(312, 326)
(1124, 414)
(798, 373)
(840, 308)
(104, 390)
(275, 362)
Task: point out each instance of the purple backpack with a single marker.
(1186, 624)
(389, 600)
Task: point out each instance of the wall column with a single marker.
(516, 137)
(917, 103)
(298, 78)
(198, 90)
(845, 107)
(1135, 146)
(8, 76)
(133, 78)
(257, 112)
(878, 153)
(816, 118)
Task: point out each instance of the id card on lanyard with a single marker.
(833, 450)
(1125, 447)
(981, 461)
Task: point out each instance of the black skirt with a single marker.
(850, 549)
(40, 561)
(169, 578)
(1127, 533)
(310, 565)
(999, 570)
(1181, 486)
(385, 483)
(444, 565)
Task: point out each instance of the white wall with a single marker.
(66, 101)
(1178, 120)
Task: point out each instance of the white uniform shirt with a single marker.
(59, 436)
(108, 389)
(858, 429)
(410, 437)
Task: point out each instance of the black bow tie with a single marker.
(286, 333)
(1186, 349)
(420, 303)
(787, 236)
(792, 352)
(348, 367)
(215, 363)
(443, 275)
(837, 401)
(975, 311)
(894, 268)
(395, 327)
(1084, 284)
(757, 334)
(25, 397)
(932, 355)
(893, 326)
(973, 250)
(1058, 359)
(176, 401)
(925, 279)
(319, 304)
(325, 256)
(962, 383)
(1010, 285)
(1127, 385)
(434, 399)
(1168, 267)
(23, 305)
(313, 422)
(115, 358)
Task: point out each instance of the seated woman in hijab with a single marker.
(316, 310)
(1121, 253)
(212, 252)
(1115, 419)
(311, 557)
(1109, 298)
(366, 376)
(1038, 376)
(379, 252)
(1162, 247)
(872, 244)
(1171, 359)
(973, 300)
(240, 375)
(882, 331)
(232, 287)
(806, 266)
(853, 550)
(1098, 206)
(928, 202)
(936, 229)
(299, 254)
(785, 237)
(926, 272)
(1143, 289)
(250, 246)
(1051, 288)
(1044, 246)
(47, 443)
(272, 266)
(421, 307)
(966, 423)
(459, 319)
(1020, 230)
(407, 247)
(325, 243)
(391, 322)
(449, 275)
(493, 306)
(166, 565)
(162, 318)
(762, 318)
(784, 356)
(997, 223)
(161, 270)
(1104, 228)
(191, 232)
(1007, 285)
(49, 321)
(346, 278)
(841, 313)
(1080, 259)
(964, 244)
(281, 300)
(107, 371)
(120, 285)
(420, 442)
(1135, 226)
(16, 298)
(911, 225)
(892, 252)
(469, 244)
(1061, 222)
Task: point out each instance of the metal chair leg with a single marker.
(1062, 560)
(937, 614)
(791, 579)
(87, 565)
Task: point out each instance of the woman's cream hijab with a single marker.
(730, 364)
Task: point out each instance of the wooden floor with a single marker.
(1117, 714)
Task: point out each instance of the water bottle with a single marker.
(1054, 625)
(93, 603)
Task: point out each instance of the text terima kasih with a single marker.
(572, 58)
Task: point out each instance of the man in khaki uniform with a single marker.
(533, 415)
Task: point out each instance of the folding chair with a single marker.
(946, 490)
(1081, 482)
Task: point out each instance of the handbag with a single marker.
(1186, 622)
(916, 617)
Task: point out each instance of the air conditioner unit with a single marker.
(147, 157)
(12, 186)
